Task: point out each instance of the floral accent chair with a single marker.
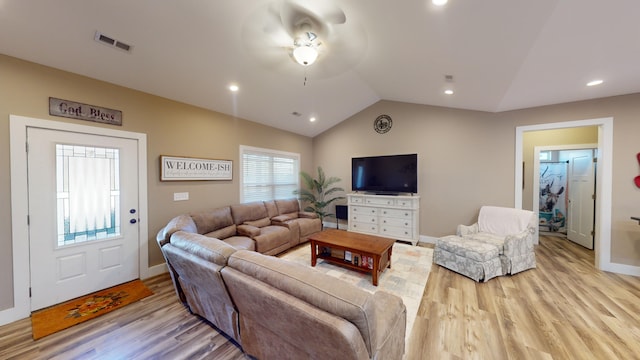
(500, 243)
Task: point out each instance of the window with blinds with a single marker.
(267, 174)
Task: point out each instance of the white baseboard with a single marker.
(427, 239)
(623, 269)
(12, 314)
(332, 225)
(154, 271)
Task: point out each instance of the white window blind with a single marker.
(267, 174)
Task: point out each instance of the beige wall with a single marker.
(466, 158)
(172, 128)
(531, 139)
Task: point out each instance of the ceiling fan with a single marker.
(288, 33)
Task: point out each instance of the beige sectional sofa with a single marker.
(273, 308)
(290, 311)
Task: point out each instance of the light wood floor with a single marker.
(564, 309)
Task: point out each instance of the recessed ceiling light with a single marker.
(234, 88)
(595, 82)
(439, 2)
(448, 92)
(312, 119)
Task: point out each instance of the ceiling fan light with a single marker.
(305, 55)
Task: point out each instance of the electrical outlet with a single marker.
(182, 196)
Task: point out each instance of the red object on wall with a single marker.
(637, 178)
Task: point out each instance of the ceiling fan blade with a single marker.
(341, 52)
(308, 15)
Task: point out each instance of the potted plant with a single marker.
(319, 193)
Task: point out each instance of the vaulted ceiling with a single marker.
(501, 54)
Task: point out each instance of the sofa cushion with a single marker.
(223, 233)
(320, 290)
(287, 206)
(241, 243)
(272, 209)
(211, 220)
(493, 239)
(248, 212)
(210, 249)
(259, 223)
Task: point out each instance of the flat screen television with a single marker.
(388, 174)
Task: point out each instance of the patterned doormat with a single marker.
(62, 316)
(407, 278)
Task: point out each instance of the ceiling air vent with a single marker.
(106, 40)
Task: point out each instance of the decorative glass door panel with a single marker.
(88, 193)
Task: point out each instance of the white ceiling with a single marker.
(503, 54)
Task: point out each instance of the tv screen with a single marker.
(385, 174)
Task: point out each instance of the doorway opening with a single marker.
(564, 191)
(602, 235)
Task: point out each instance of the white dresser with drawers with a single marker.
(395, 217)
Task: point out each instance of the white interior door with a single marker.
(581, 178)
(83, 204)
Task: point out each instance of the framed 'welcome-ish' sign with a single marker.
(186, 168)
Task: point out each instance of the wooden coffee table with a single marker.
(362, 245)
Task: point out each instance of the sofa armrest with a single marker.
(519, 244)
(463, 230)
(178, 223)
(248, 230)
(278, 220)
(207, 248)
(308, 215)
(391, 326)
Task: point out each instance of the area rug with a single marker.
(407, 278)
(62, 316)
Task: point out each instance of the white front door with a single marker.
(83, 213)
(581, 178)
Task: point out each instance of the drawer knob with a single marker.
(373, 220)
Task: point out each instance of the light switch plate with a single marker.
(182, 196)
